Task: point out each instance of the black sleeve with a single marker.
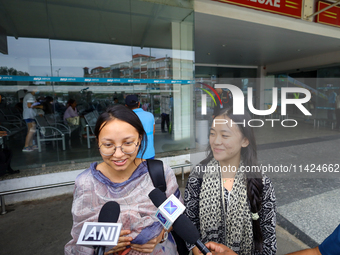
(268, 218)
(191, 201)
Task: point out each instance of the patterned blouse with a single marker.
(267, 213)
(137, 212)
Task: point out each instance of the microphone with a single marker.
(182, 225)
(189, 233)
(169, 209)
(109, 213)
(103, 233)
(157, 197)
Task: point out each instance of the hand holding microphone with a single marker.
(105, 232)
(182, 225)
(219, 249)
(110, 214)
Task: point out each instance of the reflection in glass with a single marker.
(79, 52)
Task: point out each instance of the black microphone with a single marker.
(189, 233)
(157, 197)
(182, 225)
(109, 213)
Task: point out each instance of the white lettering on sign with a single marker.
(275, 3)
(99, 233)
(92, 234)
(104, 232)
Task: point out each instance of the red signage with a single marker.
(330, 16)
(291, 8)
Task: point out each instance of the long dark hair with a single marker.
(122, 113)
(249, 157)
(70, 102)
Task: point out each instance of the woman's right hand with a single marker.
(123, 241)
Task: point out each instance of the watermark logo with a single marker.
(204, 98)
(238, 104)
(238, 100)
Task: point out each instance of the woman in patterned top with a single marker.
(226, 196)
(124, 178)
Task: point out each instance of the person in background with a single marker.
(331, 104)
(337, 111)
(124, 178)
(71, 112)
(19, 105)
(165, 105)
(227, 202)
(146, 105)
(148, 121)
(226, 98)
(29, 113)
(5, 158)
(48, 105)
(330, 246)
(2, 102)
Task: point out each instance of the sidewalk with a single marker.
(43, 227)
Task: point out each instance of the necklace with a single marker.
(224, 180)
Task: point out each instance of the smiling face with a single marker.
(226, 142)
(117, 132)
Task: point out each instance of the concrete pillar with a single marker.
(182, 68)
(260, 88)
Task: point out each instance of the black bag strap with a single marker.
(156, 172)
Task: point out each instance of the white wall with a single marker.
(308, 62)
(279, 21)
(38, 180)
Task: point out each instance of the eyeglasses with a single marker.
(108, 149)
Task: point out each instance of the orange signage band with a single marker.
(330, 16)
(292, 8)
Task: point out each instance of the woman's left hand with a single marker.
(149, 246)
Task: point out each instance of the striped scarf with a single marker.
(231, 226)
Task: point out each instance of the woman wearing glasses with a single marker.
(123, 178)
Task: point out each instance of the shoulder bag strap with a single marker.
(156, 172)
